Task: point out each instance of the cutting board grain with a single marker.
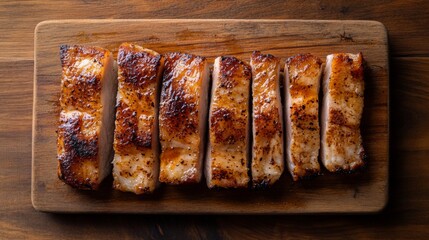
(329, 193)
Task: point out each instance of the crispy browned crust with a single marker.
(178, 111)
(343, 129)
(303, 120)
(229, 123)
(298, 114)
(137, 77)
(231, 70)
(305, 125)
(126, 129)
(267, 121)
(79, 150)
(81, 92)
(227, 126)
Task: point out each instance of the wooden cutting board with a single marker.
(330, 193)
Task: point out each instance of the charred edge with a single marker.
(233, 61)
(77, 150)
(232, 69)
(128, 54)
(139, 68)
(68, 52)
(67, 175)
(63, 53)
(257, 56)
(171, 60)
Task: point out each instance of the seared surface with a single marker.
(228, 150)
(302, 84)
(343, 88)
(267, 150)
(136, 160)
(83, 143)
(182, 117)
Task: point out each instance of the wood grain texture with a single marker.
(395, 15)
(365, 192)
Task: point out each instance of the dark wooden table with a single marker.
(406, 215)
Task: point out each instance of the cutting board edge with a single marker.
(36, 198)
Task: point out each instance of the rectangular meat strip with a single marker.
(229, 125)
(267, 150)
(136, 160)
(302, 84)
(343, 89)
(183, 117)
(87, 101)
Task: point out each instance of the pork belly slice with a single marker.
(136, 160)
(343, 89)
(87, 101)
(229, 126)
(267, 150)
(302, 84)
(183, 117)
